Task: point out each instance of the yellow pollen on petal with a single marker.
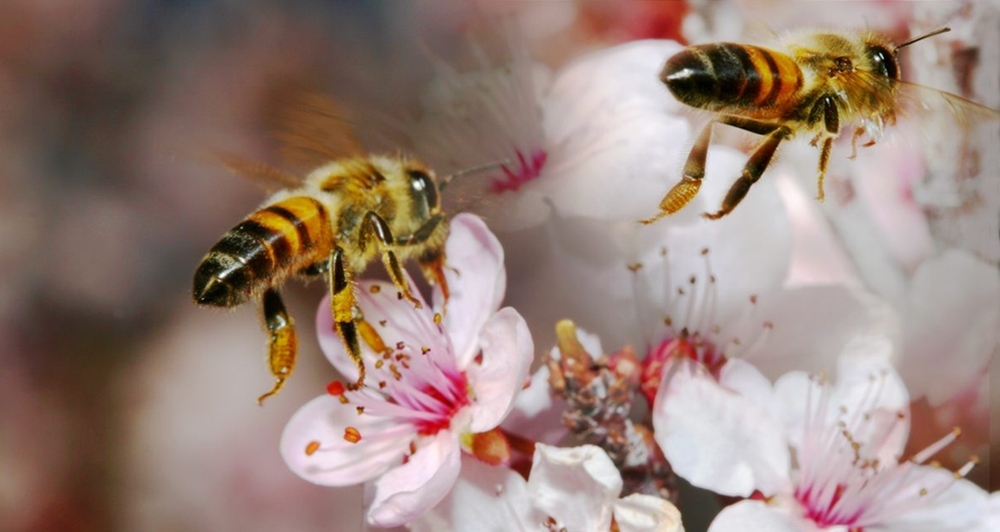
(437, 318)
(312, 447)
(352, 435)
(375, 289)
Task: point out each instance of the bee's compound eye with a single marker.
(423, 189)
(883, 61)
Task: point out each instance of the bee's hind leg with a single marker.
(694, 171)
(375, 227)
(752, 171)
(282, 344)
(342, 308)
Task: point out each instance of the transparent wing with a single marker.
(917, 101)
(312, 129)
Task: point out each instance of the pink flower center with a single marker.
(841, 480)
(523, 171)
(687, 346)
(443, 405)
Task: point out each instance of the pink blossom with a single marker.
(426, 399)
(819, 456)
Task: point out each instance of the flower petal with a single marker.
(576, 486)
(646, 513)
(951, 312)
(536, 414)
(395, 320)
(404, 493)
(507, 355)
(477, 281)
(617, 139)
(338, 462)
(758, 516)
(485, 498)
(955, 510)
(716, 439)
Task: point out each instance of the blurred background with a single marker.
(122, 405)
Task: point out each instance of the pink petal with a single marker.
(338, 462)
(478, 286)
(507, 355)
(404, 493)
(576, 486)
(758, 516)
(394, 319)
(718, 440)
(646, 513)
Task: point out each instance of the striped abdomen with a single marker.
(733, 77)
(262, 250)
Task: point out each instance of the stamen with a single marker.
(312, 447)
(351, 434)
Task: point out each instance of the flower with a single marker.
(575, 488)
(450, 379)
(601, 138)
(846, 440)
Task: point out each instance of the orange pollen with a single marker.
(312, 447)
(352, 435)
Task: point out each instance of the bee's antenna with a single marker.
(474, 170)
(938, 31)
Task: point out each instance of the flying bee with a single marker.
(820, 83)
(342, 217)
(346, 213)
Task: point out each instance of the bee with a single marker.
(820, 83)
(343, 216)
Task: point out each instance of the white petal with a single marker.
(485, 498)
(646, 513)
(951, 314)
(617, 144)
(537, 415)
(734, 244)
(477, 281)
(576, 486)
(337, 462)
(956, 510)
(810, 327)
(406, 492)
(718, 440)
(507, 356)
(758, 516)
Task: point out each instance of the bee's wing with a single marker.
(961, 180)
(312, 129)
(271, 179)
(918, 101)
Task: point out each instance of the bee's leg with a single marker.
(374, 226)
(694, 171)
(854, 142)
(432, 264)
(282, 344)
(752, 171)
(825, 110)
(342, 303)
(431, 261)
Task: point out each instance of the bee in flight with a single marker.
(820, 83)
(347, 212)
(343, 216)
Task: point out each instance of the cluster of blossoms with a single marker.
(781, 387)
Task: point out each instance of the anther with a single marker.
(352, 435)
(312, 447)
